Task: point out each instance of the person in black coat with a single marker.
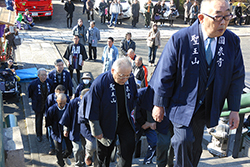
(75, 54)
(238, 13)
(102, 7)
(135, 13)
(38, 91)
(69, 7)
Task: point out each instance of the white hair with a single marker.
(41, 69)
(124, 61)
(206, 3)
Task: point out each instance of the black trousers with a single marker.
(134, 21)
(90, 51)
(103, 18)
(92, 15)
(187, 141)
(58, 149)
(69, 22)
(39, 123)
(127, 146)
(77, 74)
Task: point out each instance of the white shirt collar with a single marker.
(61, 109)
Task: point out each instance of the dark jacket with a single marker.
(80, 87)
(238, 11)
(70, 119)
(176, 79)
(53, 118)
(69, 8)
(125, 46)
(65, 81)
(102, 103)
(135, 10)
(82, 55)
(102, 7)
(34, 92)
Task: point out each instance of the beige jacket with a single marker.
(151, 36)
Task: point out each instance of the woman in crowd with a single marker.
(172, 16)
(153, 42)
(102, 7)
(193, 13)
(156, 12)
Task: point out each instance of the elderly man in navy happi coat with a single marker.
(110, 101)
(38, 91)
(51, 100)
(199, 68)
(59, 76)
(72, 128)
(54, 115)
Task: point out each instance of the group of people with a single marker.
(91, 36)
(199, 68)
(190, 12)
(25, 17)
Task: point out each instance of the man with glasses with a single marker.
(38, 91)
(59, 76)
(110, 102)
(200, 67)
(75, 54)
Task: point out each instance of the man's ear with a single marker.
(201, 18)
(112, 71)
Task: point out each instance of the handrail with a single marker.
(244, 105)
(2, 153)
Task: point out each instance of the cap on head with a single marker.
(86, 76)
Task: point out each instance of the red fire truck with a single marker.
(38, 8)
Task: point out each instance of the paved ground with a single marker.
(45, 43)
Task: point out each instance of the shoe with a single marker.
(145, 26)
(79, 164)
(88, 161)
(39, 138)
(61, 165)
(147, 162)
(148, 26)
(52, 152)
(68, 162)
(66, 154)
(114, 25)
(89, 21)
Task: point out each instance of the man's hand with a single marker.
(158, 113)
(82, 63)
(234, 120)
(153, 126)
(65, 133)
(145, 126)
(99, 136)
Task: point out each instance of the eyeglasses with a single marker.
(122, 76)
(220, 18)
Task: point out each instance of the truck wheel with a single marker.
(49, 17)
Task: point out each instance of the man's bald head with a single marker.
(131, 53)
(61, 100)
(138, 61)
